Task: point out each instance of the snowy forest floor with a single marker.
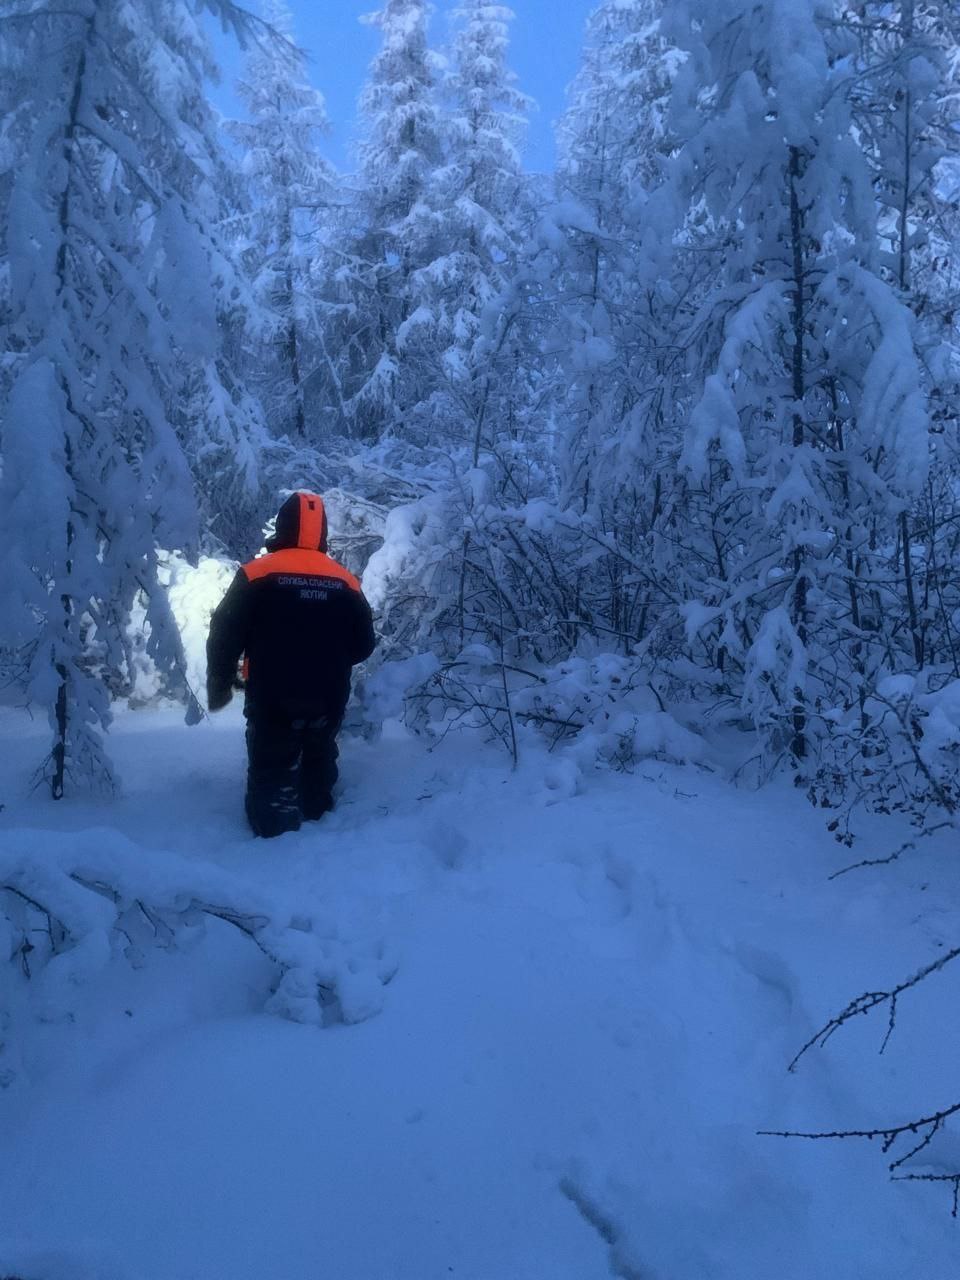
(595, 1000)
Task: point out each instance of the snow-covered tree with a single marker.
(465, 364)
(808, 438)
(612, 142)
(614, 133)
(906, 100)
(400, 154)
(114, 265)
(548, 469)
(291, 185)
(482, 219)
(612, 314)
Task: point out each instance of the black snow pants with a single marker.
(292, 769)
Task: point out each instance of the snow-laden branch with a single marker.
(66, 915)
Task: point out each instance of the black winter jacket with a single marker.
(297, 617)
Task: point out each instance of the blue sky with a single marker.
(546, 37)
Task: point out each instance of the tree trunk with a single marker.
(904, 227)
(291, 345)
(62, 706)
(915, 629)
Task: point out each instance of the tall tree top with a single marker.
(614, 133)
(488, 113)
(287, 117)
(399, 99)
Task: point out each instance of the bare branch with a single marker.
(871, 1000)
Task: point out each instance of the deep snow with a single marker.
(597, 990)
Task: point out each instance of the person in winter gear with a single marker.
(301, 623)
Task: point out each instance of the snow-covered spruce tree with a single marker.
(108, 251)
(808, 439)
(400, 154)
(527, 556)
(462, 346)
(291, 185)
(613, 315)
(482, 217)
(614, 133)
(556, 432)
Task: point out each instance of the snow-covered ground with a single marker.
(587, 1003)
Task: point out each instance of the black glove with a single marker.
(217, 699)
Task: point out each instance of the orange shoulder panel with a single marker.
(297, 560)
